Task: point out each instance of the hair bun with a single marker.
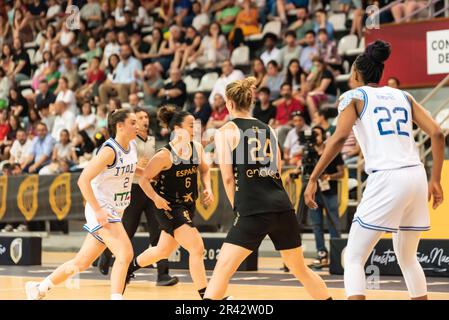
(165, 114)
(378, 51)
(248, 83)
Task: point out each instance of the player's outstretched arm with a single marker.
(425, 121)
(159, 162)
(105, 157)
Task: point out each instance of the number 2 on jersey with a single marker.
(388, 118)
(254, 152)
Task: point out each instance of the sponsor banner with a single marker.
(23, 251)
(433, 255)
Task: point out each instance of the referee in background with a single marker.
(141, 203)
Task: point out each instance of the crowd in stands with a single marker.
(63, 70)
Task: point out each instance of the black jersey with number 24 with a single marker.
(257, 178)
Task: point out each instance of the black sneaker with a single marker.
(104, 262)
(166, 280)
(321, 261)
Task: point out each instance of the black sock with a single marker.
(134, 266)
(202, 292)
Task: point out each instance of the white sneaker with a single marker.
(32, 291)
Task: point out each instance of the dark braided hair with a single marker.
(171, 117)
(370, 64)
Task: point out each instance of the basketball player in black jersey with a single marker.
(176, 190)
(249, 158)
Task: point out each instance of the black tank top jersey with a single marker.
(178, 185)
(258, 183)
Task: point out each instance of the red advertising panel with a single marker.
(408, 61)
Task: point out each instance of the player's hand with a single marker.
(208, 197)
(436, 192)
(161, 203)
(309, 195)
(102, 217)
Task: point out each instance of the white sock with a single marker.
(46, 285)
(116, 296)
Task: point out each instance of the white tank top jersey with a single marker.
(112, 187)
(145, 151)
(384, 128)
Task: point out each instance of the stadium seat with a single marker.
(191, 84)
(348, 42)
(358, 50)
(27, 92)
(271, 27)
(207, 81)
(338, 20)
(240, 56)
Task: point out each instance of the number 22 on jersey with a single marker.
(393, 121)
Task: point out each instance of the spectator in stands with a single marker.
(42, 70)
(124, 80)
(94, 78)
(393, 82)
(48, 38)
(284, 6)
(41, 150)
(213, 50)
(64, 119)
(111, 47)
(290, 51)
(322, 84)
(66, 95)
(143, 18)
(293, 149)
(402, 11)
(302, 24)
(286, 106)
(113, 62)
(45, 97)
(84, 148)
(321, 22)
(149, 53)
(271, 52)
(358, 17)
(169, 47)
(220, 114)
(70, 72)
(5, 85)
(87, 120)
(14, 125)
(258, 71)
(66, 37)
(201, 19)
(34, 119)
(92, 51)
(201, 108)
(296, 77)
(37, 10)
(328, 185)
(273, 79)
(152, 84)
(4, 130)
(7, 60)
(308, 52)
(101, 118)
(264, 109)
(188, 49)
(5, 30)
(183, 13)
(327, 49)
(53, 75)
(175, 91)
(134, 101)
(22, 65)
(21, 25)
(20, 148)
(246, 24)
(114, 104)
(91, 13)
(321, 119)
(17, 103)
(229, 74)
(54, 8)
(227, 17)
(63, 156)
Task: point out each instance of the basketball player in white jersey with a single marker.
(397, 191)
(106, 185)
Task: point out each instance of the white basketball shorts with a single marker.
(395, 200)
(92, 226)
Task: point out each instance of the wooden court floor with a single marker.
(244, 286)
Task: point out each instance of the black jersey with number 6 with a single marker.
(178, 184)
(257, 178)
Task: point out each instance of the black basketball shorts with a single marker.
(282, 228)
(179, 215)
